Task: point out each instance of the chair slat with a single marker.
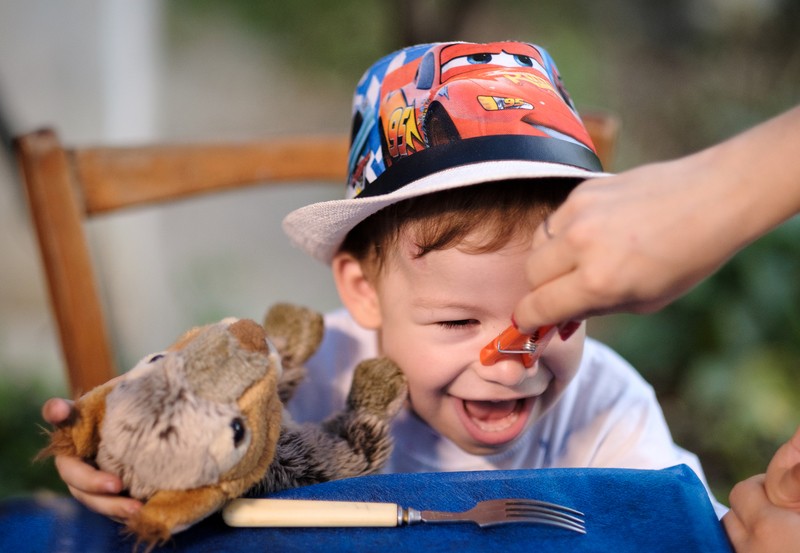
(113, 178)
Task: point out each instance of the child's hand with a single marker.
(765, 509)
(96, 489)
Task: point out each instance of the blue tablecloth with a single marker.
(626, 510)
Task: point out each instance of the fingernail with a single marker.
(568, 329)
(111, 487)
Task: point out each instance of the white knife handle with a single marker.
(309, 513)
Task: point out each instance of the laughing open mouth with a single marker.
(494, 423)
(493, 416)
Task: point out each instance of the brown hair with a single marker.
(440, 220)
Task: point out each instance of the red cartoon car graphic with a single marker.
(509, 80)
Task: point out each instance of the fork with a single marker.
(312, 513)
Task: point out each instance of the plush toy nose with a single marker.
(225, 359)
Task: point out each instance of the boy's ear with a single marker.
(357, 292)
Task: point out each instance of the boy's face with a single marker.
(437, 312)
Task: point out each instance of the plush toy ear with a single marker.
(79, 435)
(295, 331)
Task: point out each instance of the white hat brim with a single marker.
(319, 229)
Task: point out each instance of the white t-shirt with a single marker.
(608, 415)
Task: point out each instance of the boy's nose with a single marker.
(508, 370)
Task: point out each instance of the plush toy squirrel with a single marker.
(202, 423)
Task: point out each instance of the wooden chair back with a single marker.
(68, 186)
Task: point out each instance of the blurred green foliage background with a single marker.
(682, 75)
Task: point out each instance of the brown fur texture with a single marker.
(202, 423)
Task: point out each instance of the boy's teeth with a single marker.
(489, 410)
(492, 415)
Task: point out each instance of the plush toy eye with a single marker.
(155, 358)
(237, 425)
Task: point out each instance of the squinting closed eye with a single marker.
(462, 323)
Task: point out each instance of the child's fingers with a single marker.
(113, 506)
(85, 478)
(96, 489)
(56, 410)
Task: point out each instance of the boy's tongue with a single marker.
(488, 411)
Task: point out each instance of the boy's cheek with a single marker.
(564, 357)
(418, 368)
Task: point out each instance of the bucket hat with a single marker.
(439, 116)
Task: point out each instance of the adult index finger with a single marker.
(549, 258)
(556, 301)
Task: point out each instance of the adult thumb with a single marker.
(783, 475)
(788, 493)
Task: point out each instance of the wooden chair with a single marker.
(68, 186)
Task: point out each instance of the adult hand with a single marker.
(97, 490)
(639, 240)
(765, 509)
(631, 242)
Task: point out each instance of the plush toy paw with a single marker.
(149, 533)
(379, 388)
(296, 332)
(352, 442)
(171, 511)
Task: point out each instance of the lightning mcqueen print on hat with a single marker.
(438, 116)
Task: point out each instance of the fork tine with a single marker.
(530, 510)
(493, 512)
(526, 511)
(547, 520)
(567, 522)
(541, 504)
(500, 504)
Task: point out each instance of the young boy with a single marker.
(459, 152)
